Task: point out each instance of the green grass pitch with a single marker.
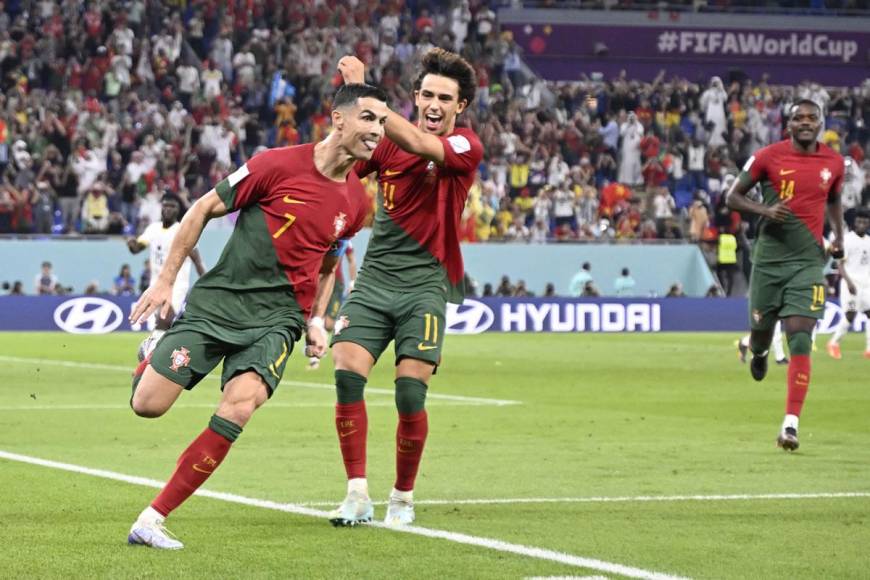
(600, 416)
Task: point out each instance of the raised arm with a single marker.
(398, 129)
(160, 294)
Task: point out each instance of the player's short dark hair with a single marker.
(801, 102)
(449, 64)
(862, 212)
(169, 196)
(348, 94)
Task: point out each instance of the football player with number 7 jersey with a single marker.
(248, 311)
(799, 178)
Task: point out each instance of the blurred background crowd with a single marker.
(106, 104)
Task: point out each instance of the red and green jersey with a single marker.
(290, 216)
(415, 238)
(803, 181)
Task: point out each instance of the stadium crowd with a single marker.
(106, 104)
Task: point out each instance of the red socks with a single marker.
(194, 466)
(352, 423)
(798, 383)
(410, 439)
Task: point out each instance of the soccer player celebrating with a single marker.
(412, 268)
(854, 282)
(799, 178)
(250, 309)
(158, 238)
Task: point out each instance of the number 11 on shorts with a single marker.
(430, 332)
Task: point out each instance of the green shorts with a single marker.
(193, 347)
(372, 317)
(781, 291)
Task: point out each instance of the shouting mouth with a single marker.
(433, 121)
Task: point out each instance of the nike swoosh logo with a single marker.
(201, 470)
(288, 199)
(422, 346)
(786, 171)
(390, 172)
(343, 435)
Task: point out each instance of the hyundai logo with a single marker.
(88, 315)
(471, 317)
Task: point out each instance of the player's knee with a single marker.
(239, 411)
(850, 316)
(145, 407)
(410, 395)
(800, 343)
(349, 387)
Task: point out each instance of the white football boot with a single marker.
(356, 509)
(150, 531)
(400, 511)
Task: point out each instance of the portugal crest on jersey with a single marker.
(180, 357)
(340, 222)
(826, 176)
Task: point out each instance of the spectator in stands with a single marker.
(726, 267)
(45, 282)
(675, 291)
(124, 283)
(505, 288)
(630, 166)
(578, 282)
(95, 210)
(145, 276)
(521, 290)
(699, 217)
(713, 105)
(624, 284)
(550, 290)
(17, 289)
(590, 290)
(42, 202)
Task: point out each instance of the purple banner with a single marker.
(565, 51)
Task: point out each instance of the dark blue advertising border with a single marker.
(103, 314)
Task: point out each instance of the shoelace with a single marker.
(159, 525)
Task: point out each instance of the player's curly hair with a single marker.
(449, 64)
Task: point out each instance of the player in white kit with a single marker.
(158, 238)
(854, 282)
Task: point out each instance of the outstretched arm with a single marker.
(160, 293)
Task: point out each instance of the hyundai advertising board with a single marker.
(104, 314)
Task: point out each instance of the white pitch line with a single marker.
(113, 407)
(624, 499)
(303, 384)
(488, 543)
